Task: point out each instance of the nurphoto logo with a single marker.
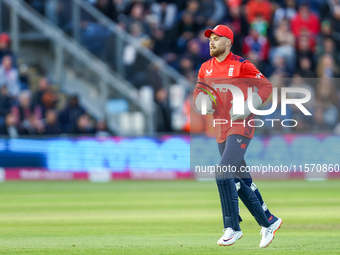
(238, 103)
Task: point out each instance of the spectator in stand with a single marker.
(27, 122)
(137, 15)
(328, 47)
(154, 76)
(279, 66)
(328, 8)
(203, 42)
(83, 126)
(255, 8)
(336, 24)
(130, 55)
(37, 104)
(6, 103)
(260, 25)
(51, 123)
(318, 119)
(305, 20)
(49, 102)
(10, 76)
(163, 111)
(186, 30)
(310, 38)
(283, 35)
(287, 12)
(32, 126)
(315, 5)
(24, 77)
(180, 5)
(161, 45)
(213, 11)
(193, 7)
(108, 8)
(299, 82)
(9, 128)
(256, 48)
(165, 12)
(327, 32)
(5, 47)
(69, 116)
(136, 64)
(237, 22)
(331, 11)
(121, 6)
(38, 5)
(23, 110)
(285, 46)
(102, 130)
(326, 28)
(305, 68)
(64, 15)
(326, 91)
(186, 65)
(304, 50)
(193, 53)
(94, 37)
(327, 99)
(236, 18)
(327, 67)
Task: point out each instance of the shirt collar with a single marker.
(226, 59)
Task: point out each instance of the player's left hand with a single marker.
(257, 102)
(237, 116)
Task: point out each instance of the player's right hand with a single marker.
(198, 102)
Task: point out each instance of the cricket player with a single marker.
(233, 139)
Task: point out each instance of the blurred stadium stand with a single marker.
(123, 68)
(130, 61)
(79, 69)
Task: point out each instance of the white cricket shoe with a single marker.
(230, 237)
(268, 233)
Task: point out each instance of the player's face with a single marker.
(217, 45)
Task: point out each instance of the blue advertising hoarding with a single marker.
(166, 154)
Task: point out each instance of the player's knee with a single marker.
(247, 181)
(253, 187)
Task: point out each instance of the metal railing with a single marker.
(107, 78)
(108, 41)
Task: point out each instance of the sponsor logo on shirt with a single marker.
(209, 72)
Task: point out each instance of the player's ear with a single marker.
(228, 42)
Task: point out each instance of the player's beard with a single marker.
(217, 52)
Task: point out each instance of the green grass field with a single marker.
(160, 217)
